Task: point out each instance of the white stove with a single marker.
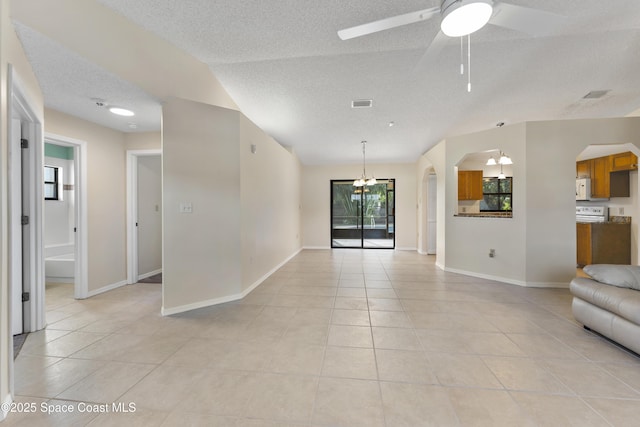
(592, 214)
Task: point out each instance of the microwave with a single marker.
(583, 189)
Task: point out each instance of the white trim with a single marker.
(317, 247)
(94, 292)
(228, 298)
(149, 274)
(132, 210)
(508, 280)
(81, 280)
(414, 249)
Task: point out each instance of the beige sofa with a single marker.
(609, 302)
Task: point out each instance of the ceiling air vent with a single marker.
(595, 94)
(362, 103)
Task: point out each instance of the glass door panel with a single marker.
(346, 215)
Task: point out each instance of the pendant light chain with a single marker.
(469, 62)
(461, 56)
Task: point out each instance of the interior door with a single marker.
(16, 228)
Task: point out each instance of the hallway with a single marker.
(334, 338)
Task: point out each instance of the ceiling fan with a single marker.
(463, 17)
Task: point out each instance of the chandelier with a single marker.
(363, 180)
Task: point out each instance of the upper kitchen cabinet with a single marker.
(600, 179)
(623, 162)
(583, 169)
(470, 185)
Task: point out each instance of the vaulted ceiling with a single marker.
(288, 71)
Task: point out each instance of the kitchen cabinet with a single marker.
(470, 185)
(600, 178)
(603, 243)
(583, 169)
(623, 162)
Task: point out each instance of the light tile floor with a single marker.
(334, 338)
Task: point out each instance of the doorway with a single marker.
(65, 222)
(144, 214)
(363, 217)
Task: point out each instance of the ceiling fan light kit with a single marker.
(463, 17)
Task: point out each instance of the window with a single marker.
(497, 195)
(51, 183)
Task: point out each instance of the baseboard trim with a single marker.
(315, 247)
(414, 249)
(268, 274)
(510, 281)
(151, 273)
(94, 292)
(228, 298)
(59, 280)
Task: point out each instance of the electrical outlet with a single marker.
(492, 253)
(620, 211)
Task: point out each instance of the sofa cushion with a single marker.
(621, 301)
(622, 276)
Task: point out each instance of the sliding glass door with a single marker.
(363, 217)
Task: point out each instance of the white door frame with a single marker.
(132, 210)
(21, 107)
(81, 273)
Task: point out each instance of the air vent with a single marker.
(595, 94)
(362, 103)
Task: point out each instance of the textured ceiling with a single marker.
(285, 67)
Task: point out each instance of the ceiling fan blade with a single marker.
(387, 23)
(432, 52)
(535, 22)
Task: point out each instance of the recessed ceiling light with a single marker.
(121, 111)
(392, 124)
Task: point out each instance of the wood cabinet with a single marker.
(600, 178)
(603, 243)
(583, 169)
(470, 185)
(623, 162)
(609, 174)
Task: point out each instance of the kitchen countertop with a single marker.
(486, 215)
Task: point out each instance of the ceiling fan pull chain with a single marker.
(469, 62)
(461, 56)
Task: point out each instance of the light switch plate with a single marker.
(186, 208)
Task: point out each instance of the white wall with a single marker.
(149, 214)
(551, 236)
(106, 192)
(270, 183)
(468, 240)
(143, 140)
(245, 215)
(59, 214)
(316, 200)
